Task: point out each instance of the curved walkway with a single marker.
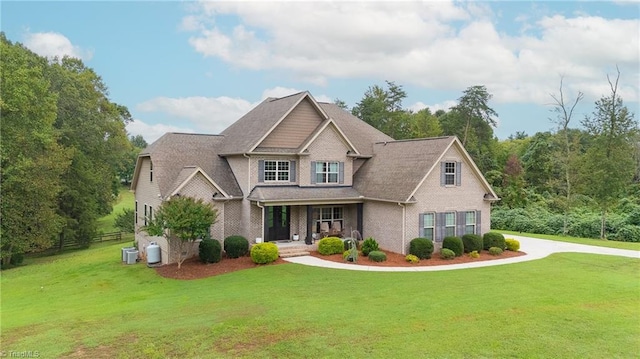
(534, 247)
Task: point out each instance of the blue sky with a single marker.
(199, 66)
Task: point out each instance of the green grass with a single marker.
(588, 241)
(126, 199)
(87, 304)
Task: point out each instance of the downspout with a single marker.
(404, 215)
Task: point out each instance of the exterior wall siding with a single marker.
(383, 222)
(295, 128)
(147, 192)
(328, 146)
(432, 197)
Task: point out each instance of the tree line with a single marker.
(64, 151)
(581, 178)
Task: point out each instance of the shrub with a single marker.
(453, 243)
(263, 253)
(493, 239)
(512, 244)
(330, 245)
(474, 254)
(495, 251)
(350, 255)
(412, 259)
(369, 245)
(446, 253)
(210, 251)
(628, 233)
(421, 247)
(377, 256)
(348, 242)
(472, 242)
(236, 246)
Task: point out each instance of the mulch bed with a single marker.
(194, 269)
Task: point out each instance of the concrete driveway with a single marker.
(534, 247)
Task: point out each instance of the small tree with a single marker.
(125, 220)
(182, 220)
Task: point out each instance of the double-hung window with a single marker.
(449, 173)
(429, 225)
(276, 171)
(327, 172)
(470, 222)
(450, 224)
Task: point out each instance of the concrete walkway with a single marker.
(535, 249)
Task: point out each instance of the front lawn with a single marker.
(88, 305)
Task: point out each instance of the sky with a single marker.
(192, 66)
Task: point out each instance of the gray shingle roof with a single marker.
(307, 194)
(397, 167)
(175, 156)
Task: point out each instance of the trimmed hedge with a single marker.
(330, 245)
(377, 256)
(210, 251)
(453, 243)
(446, 253)
(421, 247)
(369, 245)
(472, 242)
(236, 246)
(495, 251)
(412, 259)
(512, 244)
(474, 254)
(263, 253)
(493, 239)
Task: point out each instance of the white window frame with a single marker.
(429, 227)
(450, 173)
(280, 171)
(449, 228)
(470, 226)
(327, 172)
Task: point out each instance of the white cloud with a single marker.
(205, 114)
(446, 105)
(438, 45)
(51, 44)
(152, 132)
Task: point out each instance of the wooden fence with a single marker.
(104, 237)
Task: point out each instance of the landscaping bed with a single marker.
(194, 269)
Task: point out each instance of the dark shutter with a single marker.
(461, 223)
(421, 225)
(292, 171)
(313, 172)
(440, 223)
(458, 173)
(261, 171)
(479, 223)
(443, 176)
(341, 173)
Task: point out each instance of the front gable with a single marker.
(295, 128)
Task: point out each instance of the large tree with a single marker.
(32, 160)
(182, 220)
(382, 109)
(608, 164)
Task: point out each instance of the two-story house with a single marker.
(296, 168)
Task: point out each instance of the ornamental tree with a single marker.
(182, 220)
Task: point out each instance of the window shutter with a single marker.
(442, 174)
(313, 172)
(292, 171)
(421, 224)
(461, 222)
(479, 223)
(341, 173)
(458, 173)
(440, 222)
(261, 171)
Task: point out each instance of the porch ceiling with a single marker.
(305, 195)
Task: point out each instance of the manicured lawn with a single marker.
(589, 241)
(87, 304)
(126, 199)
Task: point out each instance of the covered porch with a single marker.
(291, 213)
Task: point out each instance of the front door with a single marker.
(278, 223)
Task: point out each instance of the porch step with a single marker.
(294, 251)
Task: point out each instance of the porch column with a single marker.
(308, 239)
(359, 220)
